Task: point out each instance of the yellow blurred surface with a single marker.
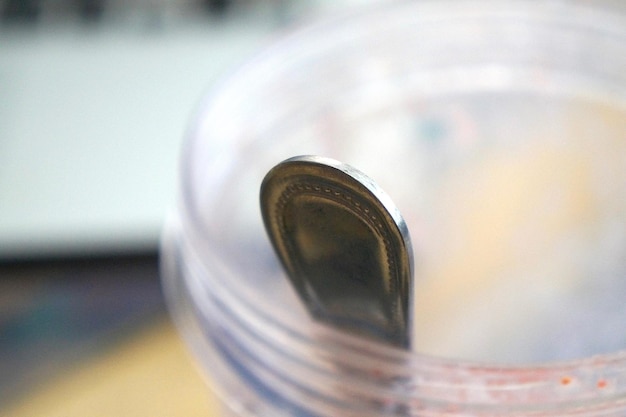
(150, 374)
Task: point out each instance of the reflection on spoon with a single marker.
(344, 245)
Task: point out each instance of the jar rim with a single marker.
(550, 384)
(324, 354)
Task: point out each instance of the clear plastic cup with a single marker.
(499, 130)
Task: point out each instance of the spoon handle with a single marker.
(344, 246)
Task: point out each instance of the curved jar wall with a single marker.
(498, 128)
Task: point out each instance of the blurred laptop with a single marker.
(95, 97)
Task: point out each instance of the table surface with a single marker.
(149, 374)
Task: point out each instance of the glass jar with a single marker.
(499, 130)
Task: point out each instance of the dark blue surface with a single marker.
(55, 314)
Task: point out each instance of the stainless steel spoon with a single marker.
(344, 245)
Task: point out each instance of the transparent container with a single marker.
(499, 130)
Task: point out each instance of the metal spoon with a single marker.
(344, 245)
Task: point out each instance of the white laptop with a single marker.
(92, 117)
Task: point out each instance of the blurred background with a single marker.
(95, 96)
(94, 101)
